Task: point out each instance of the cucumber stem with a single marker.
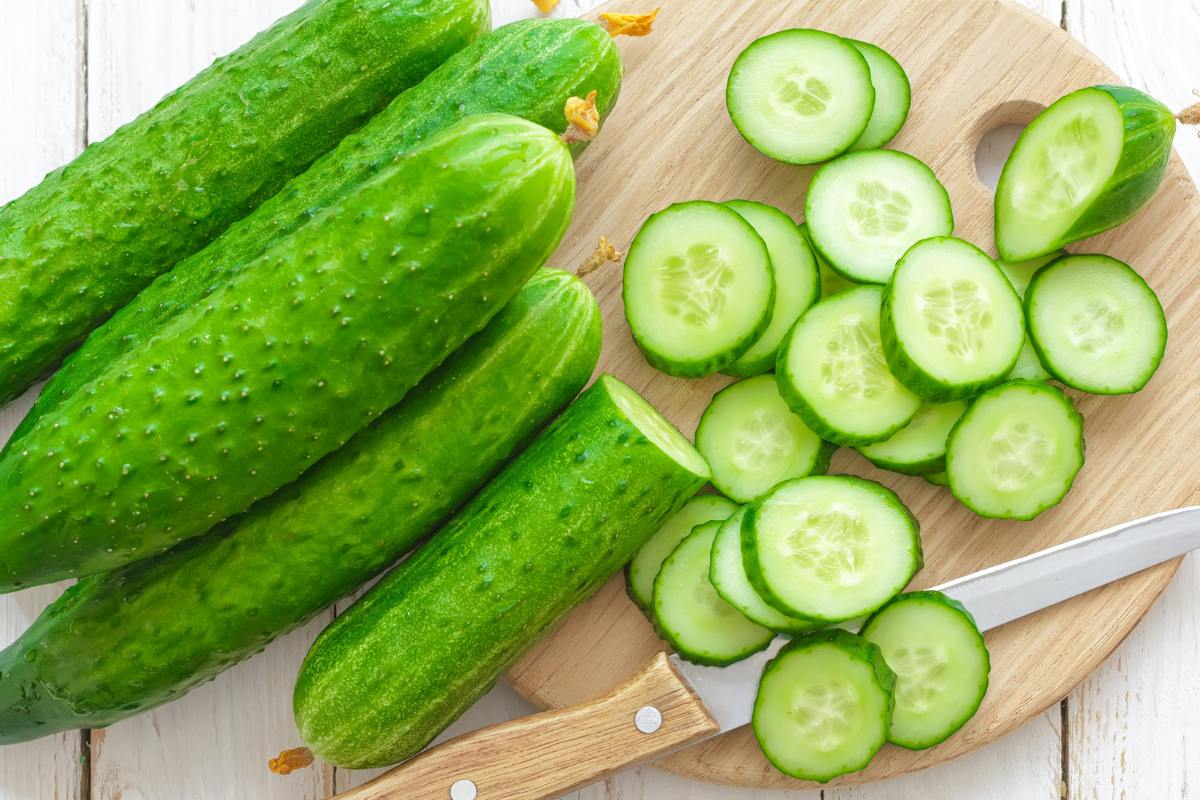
(629, 24)
(1191, 114)
(288, 761)
(603, 254)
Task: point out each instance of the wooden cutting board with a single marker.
(975, 65)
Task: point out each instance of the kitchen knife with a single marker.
(672, 704)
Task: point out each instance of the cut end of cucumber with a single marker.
(655, 427)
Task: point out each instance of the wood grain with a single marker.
(974, 65)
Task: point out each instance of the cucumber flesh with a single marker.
(1096, 325)
(893, 95)
(830, 548)
(698, 289)
(727, 572)
(1016, 451)
(1028, 367)
(952, 324)
(644, 567)
(941, 663)
(824, 706)
(938, 479)
(832, 281)
(865, 210)
(689, 613)
(801, 96)
(797, 281)
(832, 372)
(919, 448)
(752, 440)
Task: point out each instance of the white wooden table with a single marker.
(73, 70)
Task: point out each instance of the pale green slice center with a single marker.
(798, 92)
(1096, 329)
(1070, 166)
(854, 366)
(762, 440)
(1018, 454)
(693, 287)
(830, 545)
(826, 714)
(920, 674)
(958, 313)
(878, 210)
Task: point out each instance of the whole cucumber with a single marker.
(79, 245)
(243, 392)
(125, 641)
(555, 59)
(419, 648)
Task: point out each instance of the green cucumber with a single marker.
(434, 635)
(832, 281)
(1086, 164)
(937, 478)
(557, 58)
(242, 393)
(893, 96)
(643, 568)
(918, 448)
(117, 644)
(81, 244)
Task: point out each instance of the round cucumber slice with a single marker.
(800, 96)
(952, 324)
(832, 372)
(893, 95)
(1028, 367)
(830, 548)
(1016, 451)
(641, 571)
(919, 448)
(698, 288)
(824, 705)
(832, 281)
(692, 617)
(1097, 326)
(728, 575)
(937, 479)
(752, 440)
(797, 281)
(865, 210)
(941, 663)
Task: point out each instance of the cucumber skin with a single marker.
(434, 635)
(291, 359)
(116, 644)
(572, 56)
(81, 244)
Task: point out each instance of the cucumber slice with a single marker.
(830, 548)
(797, 281)
(699, 288)
(864, 210)
(952, 324)
(919, 448)
(893, 95)
(938, 479)
(1016, 451)
(832, 281)
(824, 705)
(641, 571)
(1096, 325)
(941, 663)
(801, 96)
(832, 372)
(1084, 165)
(728, 576)
(752, 440)
(1029, 366)
(689, 613)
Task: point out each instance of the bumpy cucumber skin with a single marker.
(118, 644)
(434, 635)
(647, 603)
(935, 597)
(79, 245)
(1149, 132)
(851, 644)
(555, 59)
(239, 395)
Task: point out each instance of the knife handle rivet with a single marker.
(463, 790)
(648, 719)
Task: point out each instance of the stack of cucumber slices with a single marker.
(871, 326)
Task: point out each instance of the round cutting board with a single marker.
(974, 65)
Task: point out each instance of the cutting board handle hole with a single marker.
(995, 134)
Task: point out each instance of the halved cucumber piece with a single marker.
(937, 479)
(1084, 165)
(698, 288)
(800, 96)
(919, 448)
(830, 548)
(640, 574)
(941, 663)
(1096, 325)
(893, 95)
(952, 325)
(1016, 451)
(728, 576)
(752, 440)
(832, 281)
(832, 372)
(864, 210)
(689, 613)
(824, 705)
(1029, 366)
(797, 281)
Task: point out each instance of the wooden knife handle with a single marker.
(550, 754)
